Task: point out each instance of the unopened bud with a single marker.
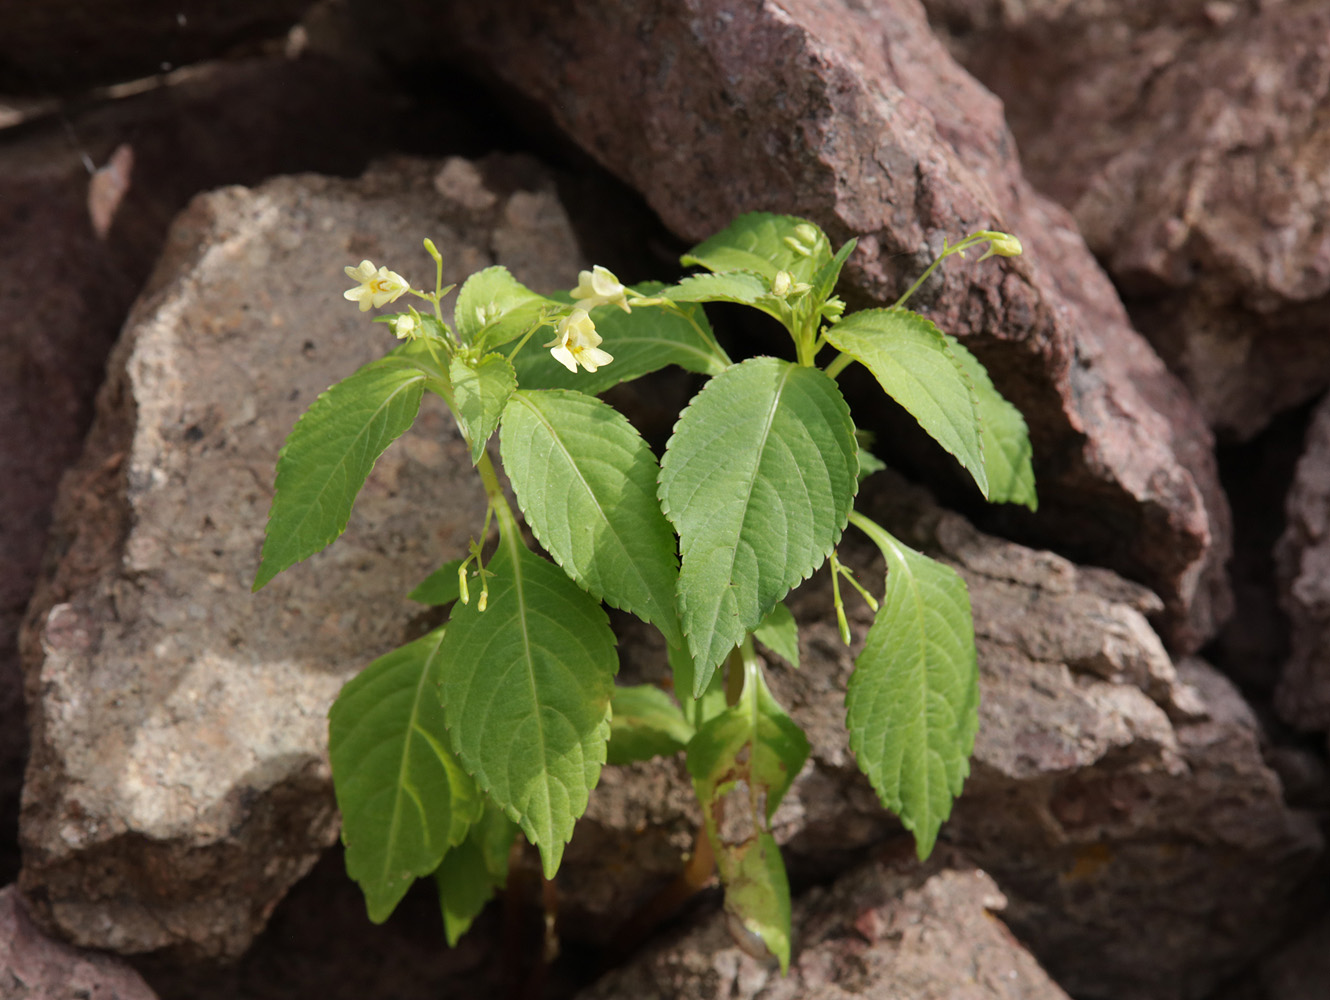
(781, 286)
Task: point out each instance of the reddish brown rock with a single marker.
(856, 117)
(1189, 141)
(1303, 563)
(34, 967)
(909, 934)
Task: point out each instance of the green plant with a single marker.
(502, 718)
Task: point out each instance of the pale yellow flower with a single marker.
(1002, 245)
(404, 326)
(576, 342)
(377, 287)
(599, 287)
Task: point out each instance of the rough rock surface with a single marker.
(69, 287)
(1189, 141)
(855, 116)
(33, 967)
(910, 934)
(1303, 563)
(1297, 971)
(1112, 794)
(178, 781)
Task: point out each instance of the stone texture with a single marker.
(1112, 794)
(1303, 564)
(33, 967)
(1297, 971)
(69, 287)
(1189, 141)
(855, 116)
(910, 934)
(178, 782)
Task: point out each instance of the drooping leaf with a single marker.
(912, 702)
(493, 308)
(440, 587)
(911, 360)
(780, 633)
(646, 723)
(404, 797)
(758, 480)
(473, 871)
(742, 762)
(480, 391)
(757, 892)
(329, 454)
(767, 244)
(526, 690)
(711, 702)
(1007, 452)
(586, 482)
(648, 339)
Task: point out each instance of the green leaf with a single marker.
(742, 763)
(526, 690)
(330, 453)
(780, 633)
(757, 892)
(766, 244)
(912, 703)
(745, 287)
(1007, 452)
(646, 723)
(648, 339)
(712, 701)
(911, 360)
(758, 480)
(471, 872)
(869, 463)
(480, 390)
(404, 797)
(440, 587)
(824, 281)
(586, 482)
(493, 308)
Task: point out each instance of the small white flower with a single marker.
(599, 287)
(377, 287)
(576, 342)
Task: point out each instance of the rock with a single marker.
(1188, 141)
(1303, 565)
(71, 286)
(178, 782)
(1112, 793)
(856, 117)
(1297, 971)
(911, 933)
(33, 967)
(67, 46)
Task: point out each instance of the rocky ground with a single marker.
(179, 192)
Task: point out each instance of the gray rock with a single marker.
(908, 933)
(71, 285)
(34, 967)
(1303, 563)
(855, 116)
(1112, 794)
(1188, 141)
(178, 782)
